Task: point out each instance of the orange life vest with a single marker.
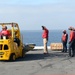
(64, 37)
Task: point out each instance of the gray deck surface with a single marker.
(36, 63)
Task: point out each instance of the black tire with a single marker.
(23, 53)
(12, 57)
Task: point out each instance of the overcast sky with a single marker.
(32, 14)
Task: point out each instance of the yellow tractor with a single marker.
(12, 47)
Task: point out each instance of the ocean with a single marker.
(35, 37)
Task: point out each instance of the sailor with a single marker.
(72, 42)
(64, 41)
(45, 38)
(5, 32)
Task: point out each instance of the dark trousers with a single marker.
(72, 48)
(64, 47)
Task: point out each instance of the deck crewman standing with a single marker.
(45, 38)
(72, 42)
(64, 41)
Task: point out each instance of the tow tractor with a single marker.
(13, 47)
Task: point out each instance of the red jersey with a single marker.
(45, 33)
(72, 35)
(5, 32)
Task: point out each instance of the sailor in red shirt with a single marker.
(45, 38)
(64, 41)
(72, 42)
(5, 32)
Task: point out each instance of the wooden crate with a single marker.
(56, 46)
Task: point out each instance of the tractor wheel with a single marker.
(23, 53)
(13, 57)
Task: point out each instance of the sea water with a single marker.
(35, 37)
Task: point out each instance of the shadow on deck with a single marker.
(39, 56)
